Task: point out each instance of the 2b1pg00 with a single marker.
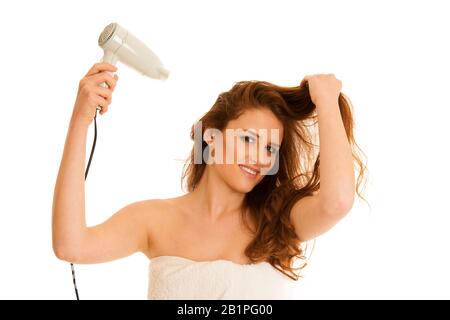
(246, 309)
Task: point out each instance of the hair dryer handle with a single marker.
(108, 57)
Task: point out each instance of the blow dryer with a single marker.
(120, 45)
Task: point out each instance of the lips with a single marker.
(251, 171)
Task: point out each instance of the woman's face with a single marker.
(249, 149)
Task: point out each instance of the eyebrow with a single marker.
(257, 135)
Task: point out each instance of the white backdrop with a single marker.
(392, 57)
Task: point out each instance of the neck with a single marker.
(214, 198)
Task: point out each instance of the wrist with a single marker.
(78, 123)
(327, 104)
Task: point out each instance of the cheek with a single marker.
(232, 151)
(240, 153)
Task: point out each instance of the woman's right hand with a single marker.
(91, 94)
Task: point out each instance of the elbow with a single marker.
(63, 254)
(67, 245)
(66, 254)
(339, 207)
(346, 202)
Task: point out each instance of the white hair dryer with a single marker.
(119, 44)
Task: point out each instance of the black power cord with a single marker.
(85, 175)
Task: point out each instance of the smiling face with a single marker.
(249, 149)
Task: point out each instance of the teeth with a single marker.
(248, 170)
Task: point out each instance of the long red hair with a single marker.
(298, 176)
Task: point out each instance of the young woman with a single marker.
(258, 187)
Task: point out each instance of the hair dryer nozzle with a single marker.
(107, 33)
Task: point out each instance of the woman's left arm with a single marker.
(314, 215)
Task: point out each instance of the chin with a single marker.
(242, 188)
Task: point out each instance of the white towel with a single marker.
(173, 277)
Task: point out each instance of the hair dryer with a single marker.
(119, 44)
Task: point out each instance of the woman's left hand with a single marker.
(323, 88)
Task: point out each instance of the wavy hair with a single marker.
(298, 176)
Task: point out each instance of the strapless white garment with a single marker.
(174, 277)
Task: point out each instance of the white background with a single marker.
(392, 57)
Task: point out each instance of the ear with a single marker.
(209, 139)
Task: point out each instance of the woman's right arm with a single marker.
(122, 234)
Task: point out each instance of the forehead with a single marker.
(257, 118)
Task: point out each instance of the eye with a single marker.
(271, 149)
(247, 139)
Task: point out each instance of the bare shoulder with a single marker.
(142, 208)
(157, 211)
(154, 206)
(149, 209)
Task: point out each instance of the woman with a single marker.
(256, 191)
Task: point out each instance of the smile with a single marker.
(248, 172)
